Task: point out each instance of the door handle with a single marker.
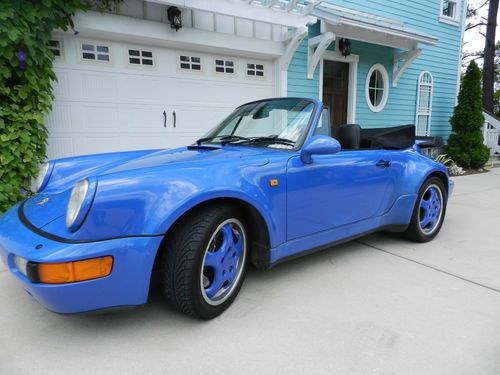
(164, 119)
(383, 163)
(175, 118)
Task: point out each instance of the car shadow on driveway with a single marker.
(257, 284)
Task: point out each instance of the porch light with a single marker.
(345, 47)
(174, 17)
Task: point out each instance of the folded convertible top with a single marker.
(396, 137)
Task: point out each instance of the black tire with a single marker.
(414, 232)
(183, 257)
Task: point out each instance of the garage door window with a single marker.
(190, 63)
(56, 47)
(255, 70)
(224, 66)
(140, 57)
(95, 52)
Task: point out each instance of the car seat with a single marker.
(348, 135)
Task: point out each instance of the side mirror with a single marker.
(319, 145)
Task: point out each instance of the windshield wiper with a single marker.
(223, 138)
(270, 139)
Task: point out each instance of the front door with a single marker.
(335, 90)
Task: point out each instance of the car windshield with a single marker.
(277, 123)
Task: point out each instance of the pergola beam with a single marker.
(321, 42)
(292, 46)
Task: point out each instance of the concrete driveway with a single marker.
(378, 305)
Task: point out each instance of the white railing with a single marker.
(491, 132)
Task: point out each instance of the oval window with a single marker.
(377, 87)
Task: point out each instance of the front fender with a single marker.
(66, 172)
(147, 203)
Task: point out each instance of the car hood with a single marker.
(50, 205)
(192, 156)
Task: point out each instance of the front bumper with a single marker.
(128, 283)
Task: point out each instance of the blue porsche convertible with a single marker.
(271, 182)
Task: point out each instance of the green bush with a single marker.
(465, 144)
(25, 87)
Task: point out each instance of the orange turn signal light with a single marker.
(70, 272)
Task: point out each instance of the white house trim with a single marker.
(366, 27)
(321, 43)
(294, 17)
(385, 95)
(459, 64)
(424, 111)
(144, 32)
(454, 21)
(353, 61)
(399, 68)
(292, 46)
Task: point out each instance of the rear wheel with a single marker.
(429, 211)
(205, 260)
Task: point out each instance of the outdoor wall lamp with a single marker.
(345, 47)
(174, 17)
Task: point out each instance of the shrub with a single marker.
(465, 144)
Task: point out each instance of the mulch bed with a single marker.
(469, 172)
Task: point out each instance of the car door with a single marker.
(336, 190)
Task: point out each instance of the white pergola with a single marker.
(293, 15)
(339, 22)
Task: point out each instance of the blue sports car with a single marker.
(271, 182)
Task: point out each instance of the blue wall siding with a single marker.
(441, 60)
(298, 84)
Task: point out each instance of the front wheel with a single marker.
(205, 260)
(429, 211)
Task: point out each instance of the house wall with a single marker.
(441, 60)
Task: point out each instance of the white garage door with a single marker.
(117, 96)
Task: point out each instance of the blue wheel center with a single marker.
(430, 209)
(221, 261)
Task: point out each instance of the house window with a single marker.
(224, 66)
(55, 46)
(190, 63)
(95, 52)
(255, 70)
(449, 11)
(377, 87)
(140, 57)
(424, 104)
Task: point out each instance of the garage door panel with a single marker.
(99, 118)
(61, 147)
(98, 144)
(60, 119)
(61, 86)
(96, 86)
(199, 121)
(147, 119)
(114, 107)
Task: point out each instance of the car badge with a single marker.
(42, 202)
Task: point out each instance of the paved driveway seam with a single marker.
(431, 267)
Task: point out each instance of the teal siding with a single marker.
(441, 60)
(298, 84)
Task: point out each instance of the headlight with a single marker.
(74, 213)
(43, 177)
(21, 265)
